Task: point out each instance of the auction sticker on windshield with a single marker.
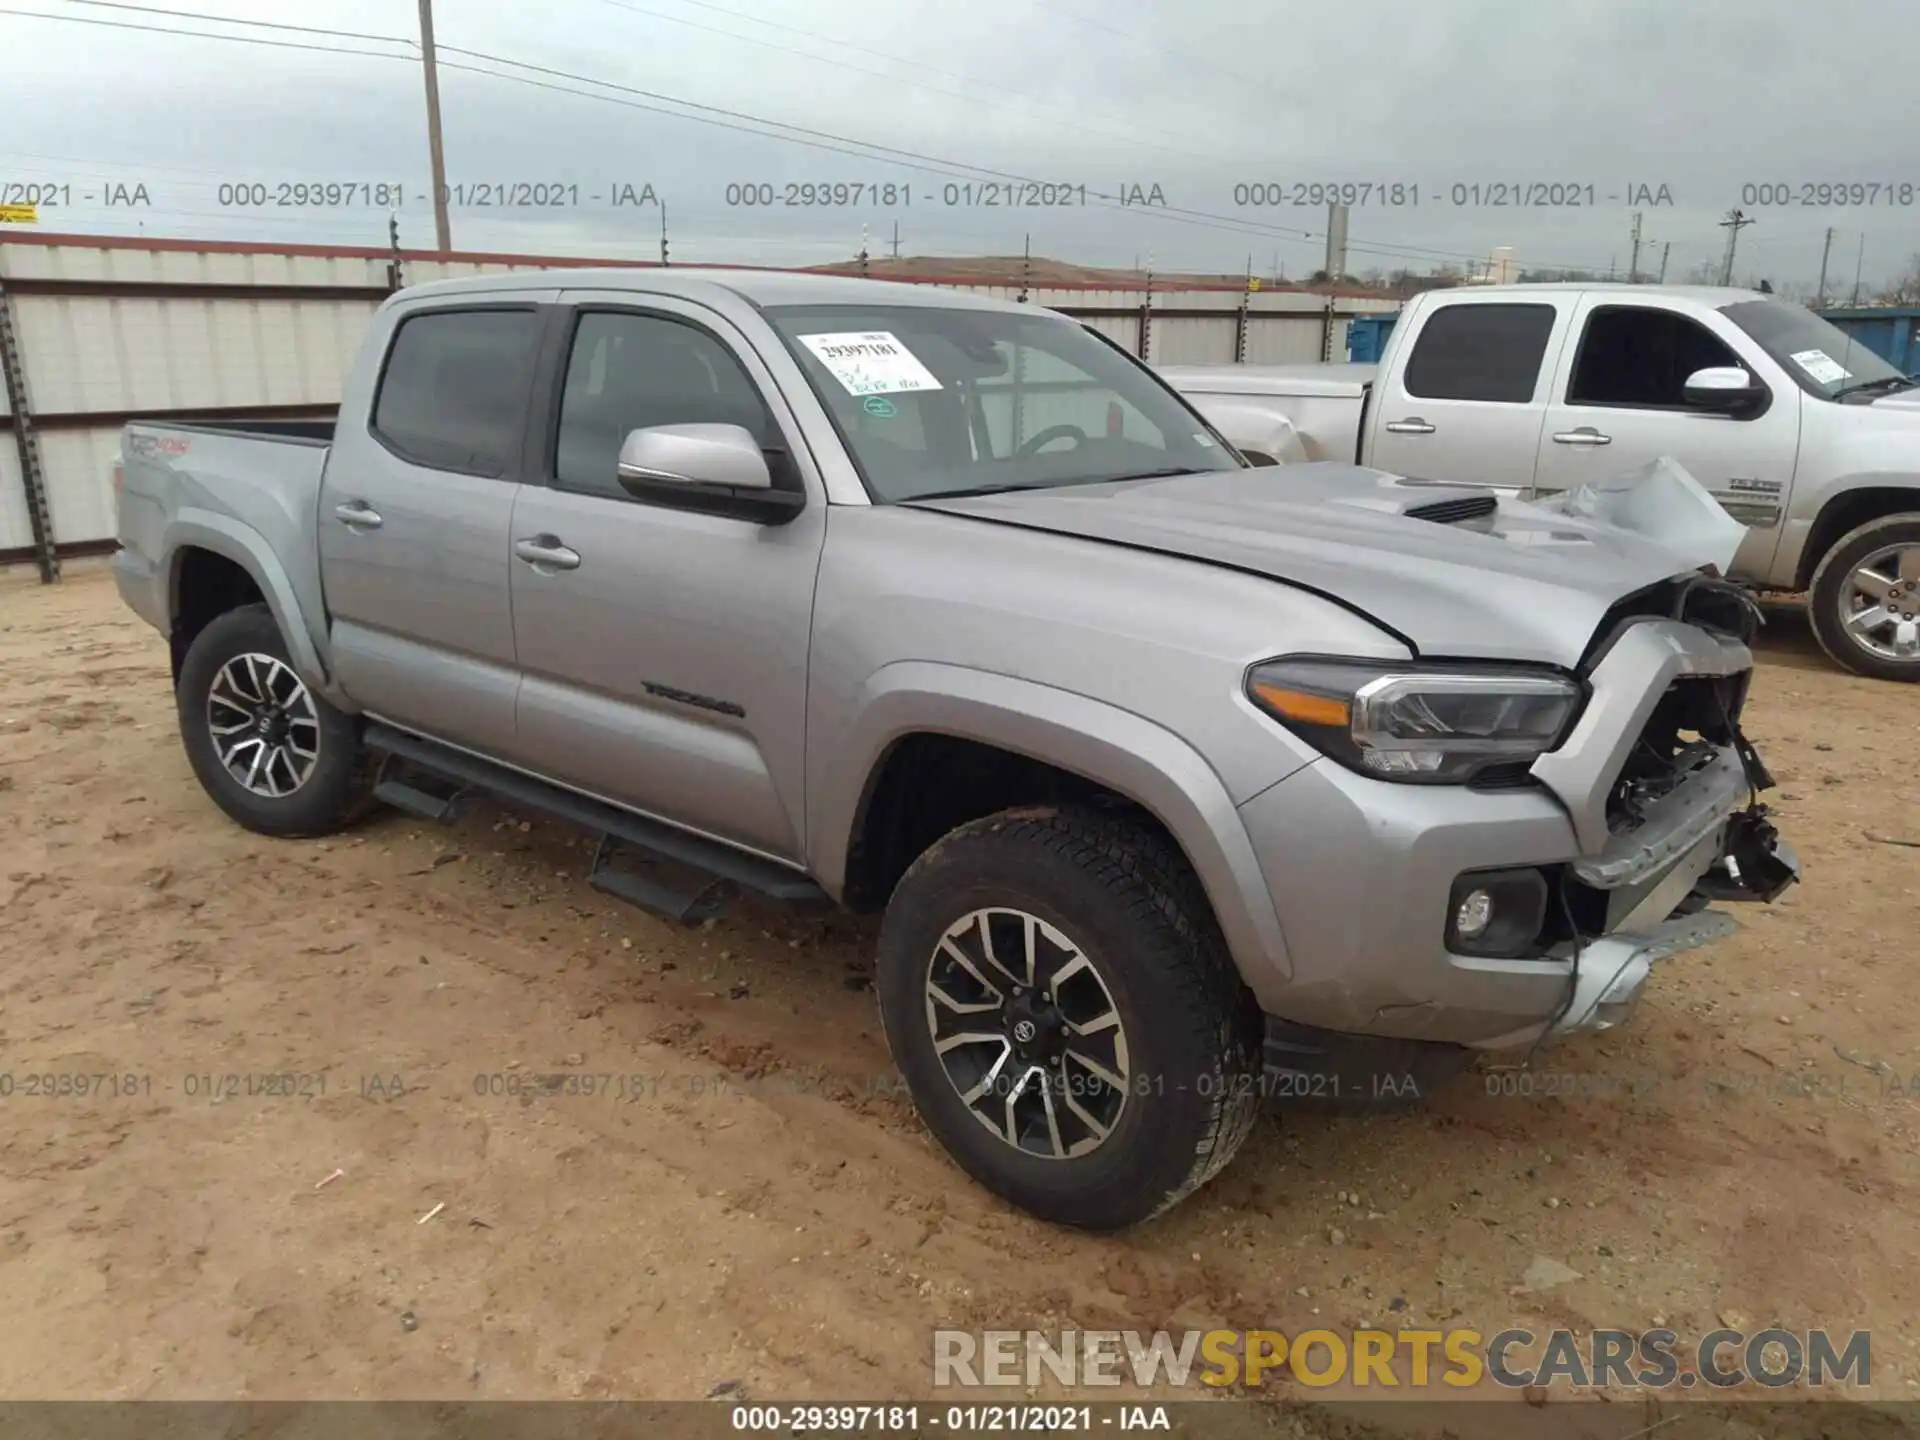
(870, 362)
(1821, 366)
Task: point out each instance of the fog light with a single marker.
(1474, 914)
(1497, 913)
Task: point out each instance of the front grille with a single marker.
(1696, 716)
(1450, 512)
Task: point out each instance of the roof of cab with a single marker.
(1716, 296)
(758, 287)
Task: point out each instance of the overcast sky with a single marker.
(1594, 97)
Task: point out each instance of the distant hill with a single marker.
(1041, 271)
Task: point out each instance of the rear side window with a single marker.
(454, 394)
(1480, 352)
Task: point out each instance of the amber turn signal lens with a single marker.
(1299, 705)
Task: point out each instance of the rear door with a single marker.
(1619, 401)
(664, 659)
(415, 511)
(1466, 394)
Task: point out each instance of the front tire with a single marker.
(1864, 602)
(275, 756)
(1062, 1006)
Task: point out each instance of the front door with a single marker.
(1619, 402)
(415, 511)
(663, 650)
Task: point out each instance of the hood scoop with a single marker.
(1452, 512)
(1439, 503)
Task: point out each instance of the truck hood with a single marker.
(1520, 583)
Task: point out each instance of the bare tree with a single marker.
(1906, 289)
(1705, 272)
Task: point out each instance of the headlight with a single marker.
(1401, 722)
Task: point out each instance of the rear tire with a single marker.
(1146, 994)
(1882, 555)
(275, 756)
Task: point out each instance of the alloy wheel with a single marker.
(1027, 1033)
(265, 729)
(1881, 603)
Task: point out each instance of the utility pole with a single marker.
(663, 234)
(1820, 293)
(1665, 250)
(1733, 225)
(1026, 271)
(896, 239)
(1633, 264)
(443, 237)
(1858, 260)
(395, 275)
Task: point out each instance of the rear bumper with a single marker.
(140, 586)
(1362, 874)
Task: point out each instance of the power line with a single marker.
(908, 159)
(746, 123)
(232, 20)
(203, 35)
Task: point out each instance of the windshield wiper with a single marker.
(1886, 382)
(978, 490)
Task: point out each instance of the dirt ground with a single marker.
(743, 1202)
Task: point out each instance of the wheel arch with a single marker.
(1859, 500)
(202, 552)
(1087, 747)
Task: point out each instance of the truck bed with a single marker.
(246, 491)
(1290, 413)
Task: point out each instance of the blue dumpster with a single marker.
(1367, 337)
(1888, 331)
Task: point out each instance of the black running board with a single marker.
(408, 760)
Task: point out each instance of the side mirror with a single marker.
(715, 468)
(694, 455)
(1724, 390)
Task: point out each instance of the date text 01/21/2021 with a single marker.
(1014, 1419)
(961, 194)
(393, 195)
(1496, 194)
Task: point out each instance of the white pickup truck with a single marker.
(1805, 437)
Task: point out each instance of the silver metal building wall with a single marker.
(114, 329)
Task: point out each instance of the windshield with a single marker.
(935, 401)
(1822, 358)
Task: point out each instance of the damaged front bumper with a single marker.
(1629, 865)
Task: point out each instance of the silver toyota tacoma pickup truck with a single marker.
(1804, 435)
(1180, 791)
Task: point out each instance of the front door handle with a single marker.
(1412, 425)
(1585, 435)
(358, 515)
(546, 552)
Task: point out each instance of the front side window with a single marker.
(937, 401)
(455, 390)
(1636, 357)
(627, 372)
(1480, 352)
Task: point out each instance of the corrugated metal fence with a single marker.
(110, 330)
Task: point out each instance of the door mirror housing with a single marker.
(716, 468)
(1725, 390)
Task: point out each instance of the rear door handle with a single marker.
(546, 552)
(358, 515)
(1412, 425)
(1585, 435)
